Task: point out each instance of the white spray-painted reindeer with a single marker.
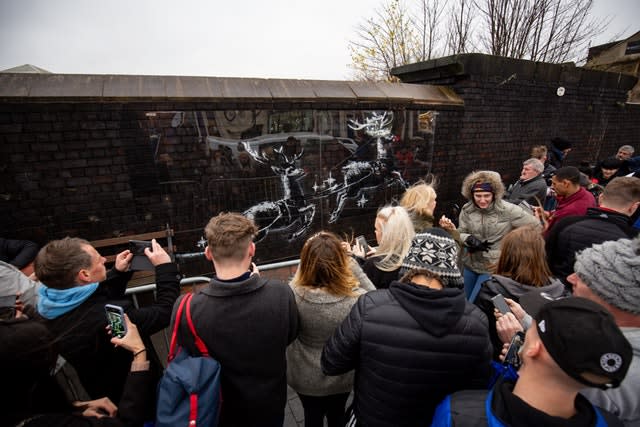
(360, 176)
(290, 214)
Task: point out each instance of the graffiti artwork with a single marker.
(292, 172)
(291, 214)
(363, 177)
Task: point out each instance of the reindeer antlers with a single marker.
(262, 159)
(289, 161)
(373, 124)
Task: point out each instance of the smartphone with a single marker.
(500, 304)
(513, 357)
(140, 260)
(137, 247)
(115, 317)
(363, 242)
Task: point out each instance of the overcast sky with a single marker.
(243, 38)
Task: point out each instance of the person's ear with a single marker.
(83, 276)
(207, 254)
(533, 349)
(252, 249)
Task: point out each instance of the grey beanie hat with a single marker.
(612, 270)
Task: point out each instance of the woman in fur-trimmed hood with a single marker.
(484, 220)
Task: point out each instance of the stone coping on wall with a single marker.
(132, 88)
(479, 66)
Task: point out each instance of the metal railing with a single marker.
(200, 279)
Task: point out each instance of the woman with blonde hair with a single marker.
(521, 268)
(326, 285)
(394, 232)
(420, 202)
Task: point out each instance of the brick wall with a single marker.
(511, 105)
(89, 168)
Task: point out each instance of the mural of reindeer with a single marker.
(360, 177)
(291, 214)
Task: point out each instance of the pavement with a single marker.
(293, 413)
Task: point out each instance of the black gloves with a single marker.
(476, 245)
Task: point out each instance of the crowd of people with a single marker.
(409, 327)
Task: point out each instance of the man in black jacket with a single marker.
(246, 322)
(76, 287)
(610, 221)
(575, 343)
(414, 342)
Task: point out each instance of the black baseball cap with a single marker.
(583, 339)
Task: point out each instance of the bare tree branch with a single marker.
(539, 30)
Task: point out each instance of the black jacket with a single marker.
(246, 326)
(380, 279)
(410, 346)
(575, 233)
(82, 340)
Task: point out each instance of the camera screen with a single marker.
(116, 321)
(137, 246)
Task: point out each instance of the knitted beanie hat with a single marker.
(612, 271)
(435, 251)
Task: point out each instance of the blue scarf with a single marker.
(54, 303)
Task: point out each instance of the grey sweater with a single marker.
(319, 313)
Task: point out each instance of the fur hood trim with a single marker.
(491, 177)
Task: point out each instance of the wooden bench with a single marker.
(109, 248)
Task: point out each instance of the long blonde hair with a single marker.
(325, 264)
(396, 235)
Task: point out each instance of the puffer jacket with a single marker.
(490, 224)
(410, 346)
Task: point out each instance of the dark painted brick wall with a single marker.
(87, 168)
(511, 105)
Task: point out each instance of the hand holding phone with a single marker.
(140, 261)
(500, 304)
(360, 240)
(512, 357)
(115, 317)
